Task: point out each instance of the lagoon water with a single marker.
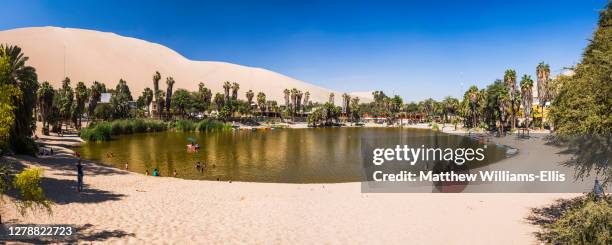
(319, 155)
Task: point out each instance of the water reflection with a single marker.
(323, 155)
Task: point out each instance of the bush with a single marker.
(184, 125)
(212, 125)
(98, 132)
(577, 221)
(103, 131)
(435, 127)
(23, 145)
(31, 194)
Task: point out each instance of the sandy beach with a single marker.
(123, 207)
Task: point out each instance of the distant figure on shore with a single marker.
(174, 173)
(126, 166)
(79, 176)
(155, 172)
(598, 190)
(147, 172)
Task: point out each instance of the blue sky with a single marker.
(416, 49)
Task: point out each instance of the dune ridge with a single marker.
(89, 55)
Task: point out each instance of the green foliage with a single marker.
(201, 126)
(181, 100)
(185, 125)
(583, 102)
(31, 194)
(120, 100)
(8, 93)
(103, 131)
(225, 113)
(16, 74)
(580, 220)
(212, 125)
(103, 112)
(95, 94)
(435, 127)
(99, 132)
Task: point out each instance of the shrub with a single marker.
(435, 127)
(577, 221)
(184, 125)
(102, 131)
(31, 194)
(98, 132)
(212, 125)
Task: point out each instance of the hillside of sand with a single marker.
(87, 55)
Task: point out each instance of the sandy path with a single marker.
(122, 207)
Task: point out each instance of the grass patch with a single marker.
(103, 131)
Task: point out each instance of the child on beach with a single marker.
(155, 172)
(174, 174)
(126, 166)
(147, 172)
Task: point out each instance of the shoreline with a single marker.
(118, 206)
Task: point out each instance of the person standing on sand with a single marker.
(155, 172)
(80, 176)
(174, 174)
(126, 165)
(147, 172)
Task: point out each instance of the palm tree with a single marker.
(24, 77)
(226, 89)
(503, 103)
(306, 99)
(286, 93)
(219, 101)
(95, 93)
(170, 84)
(543, 73)
(331, 98)
(157, 93)
(235, 87)
(66, 97)
(45, 96)
(526, 97)
(249, 96)
(261, 102)
(472, 95)
(510, 81)
(299, 101)
(81, 96)
(346, 100)
(147, 94)
(354, 109)
(204, 97)
(450, 106)
(293, 96)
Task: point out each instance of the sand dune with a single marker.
(87, 55)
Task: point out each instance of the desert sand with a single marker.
(123, 207)
(88, 55)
